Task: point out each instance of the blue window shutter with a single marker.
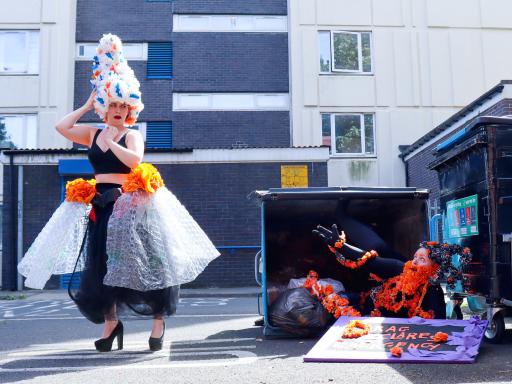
(159, 134)
(160, 60)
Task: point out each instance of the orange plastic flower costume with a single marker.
(145, 177)
(80, 191)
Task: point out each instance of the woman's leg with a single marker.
(111, 321)
(158, 326)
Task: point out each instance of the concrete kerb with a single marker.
(59, 294)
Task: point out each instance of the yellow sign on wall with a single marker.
(294, 176)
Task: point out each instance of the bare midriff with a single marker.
(114, 178)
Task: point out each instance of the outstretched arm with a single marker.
(352, 257)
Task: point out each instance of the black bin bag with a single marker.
(299, 313)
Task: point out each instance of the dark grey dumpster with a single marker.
(475, 177)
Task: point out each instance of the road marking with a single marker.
(241, 357)
(8, 314)
(53, 354)
(177, 342)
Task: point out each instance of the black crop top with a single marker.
(106, 162)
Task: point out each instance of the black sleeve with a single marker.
(383, 268)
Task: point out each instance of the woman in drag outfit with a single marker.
(135, 242)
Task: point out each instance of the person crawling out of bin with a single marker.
(404, 289)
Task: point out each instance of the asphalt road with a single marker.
(43, 339)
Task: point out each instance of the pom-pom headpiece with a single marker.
(114, 80)
(441, 254)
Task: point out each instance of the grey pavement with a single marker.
(43, 339)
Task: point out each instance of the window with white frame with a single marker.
(229, 23)
(230, 101)
(345, 52)
(132, 51)
(18, 131)
(19, 52)
(349, 134)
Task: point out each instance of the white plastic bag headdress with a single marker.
(114, 80)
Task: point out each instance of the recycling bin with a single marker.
(475, 177)
(289, 249)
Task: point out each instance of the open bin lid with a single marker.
(471, 127)
(316, 193)
(466, 139)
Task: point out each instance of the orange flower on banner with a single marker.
(440, 337)
(355, 329)
(80, 191)
(396, 351)
(143, 178)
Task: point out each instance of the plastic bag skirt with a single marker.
(94, 299)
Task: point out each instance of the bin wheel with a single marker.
(496, 329)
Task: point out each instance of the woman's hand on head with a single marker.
(89, 104)
(110, 133)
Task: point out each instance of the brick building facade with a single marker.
(215, 155)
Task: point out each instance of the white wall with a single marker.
(50, 93)
(430, 58)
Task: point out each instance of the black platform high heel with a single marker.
(156, 343)
(105, 345)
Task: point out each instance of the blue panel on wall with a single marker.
(159, 134)
(75, 167)
(159, 60)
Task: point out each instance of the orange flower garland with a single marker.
(396, 351)
(354, 264)
(338, 244)
(332, 302)
(355, 329)
(80, 191)
(440, 337)
(143, 178)
(406, 291)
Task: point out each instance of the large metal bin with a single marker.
(475, 177)
(290, 250)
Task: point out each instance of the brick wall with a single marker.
(224, 129)
(8, 258)
(230, 62)
(417, 171)
(132, 20)
(214, 194)
(203, 62)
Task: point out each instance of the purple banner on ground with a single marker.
(414, 336)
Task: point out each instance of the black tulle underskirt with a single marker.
(96, 300)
